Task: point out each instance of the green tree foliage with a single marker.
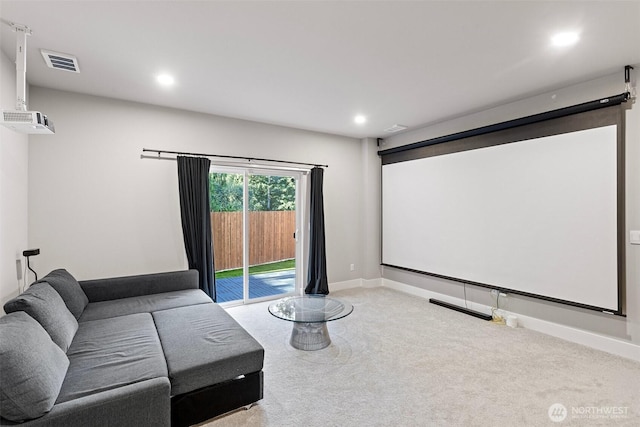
(225, 192)
(266, 193)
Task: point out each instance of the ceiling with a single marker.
(316, 65)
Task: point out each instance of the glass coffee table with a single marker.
(310, 314)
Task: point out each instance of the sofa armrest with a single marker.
(146, 403)
(134, 286)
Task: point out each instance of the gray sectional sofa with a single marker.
(148, 350)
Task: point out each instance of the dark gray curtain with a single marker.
(193, 187)
(317, 277)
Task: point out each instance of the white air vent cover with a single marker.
(395, 128)
(60, 61)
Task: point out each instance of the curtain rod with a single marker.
(181, 153)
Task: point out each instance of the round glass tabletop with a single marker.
(310, 309)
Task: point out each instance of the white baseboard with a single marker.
(578, 336)
(356, 283)
(348, 284)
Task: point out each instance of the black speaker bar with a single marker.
(461, 309)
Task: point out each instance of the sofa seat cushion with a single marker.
(143, 304)
(32, 368)
(204, 345)
(110, 353)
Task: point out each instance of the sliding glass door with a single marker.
(226, 201)
(254, 223)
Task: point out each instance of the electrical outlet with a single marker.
(352, 267)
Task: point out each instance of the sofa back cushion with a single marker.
(46, 306)
(33, 368)
(69, 289)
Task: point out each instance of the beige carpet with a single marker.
(399, 361)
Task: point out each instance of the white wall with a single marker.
(14, 150)
(99, 210)
(624, 329)
(371, 231)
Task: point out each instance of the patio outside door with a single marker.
(254, 221)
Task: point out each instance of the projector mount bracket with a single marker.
(22, 31)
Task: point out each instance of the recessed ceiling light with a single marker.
(565, 39)
(165, 79)
(360, 119)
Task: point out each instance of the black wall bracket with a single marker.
(627, 73)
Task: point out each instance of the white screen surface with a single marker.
(536, 216)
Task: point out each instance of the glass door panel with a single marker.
(226, 201)
(271, 236)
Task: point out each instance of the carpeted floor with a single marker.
(399, 361)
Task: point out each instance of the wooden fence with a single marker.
(270, 237)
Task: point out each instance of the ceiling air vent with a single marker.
(395, 128)
(60, 61)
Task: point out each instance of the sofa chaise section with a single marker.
(214, 364)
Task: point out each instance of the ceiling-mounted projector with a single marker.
(21, 120)
(27, 122)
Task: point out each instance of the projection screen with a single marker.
(538, 216)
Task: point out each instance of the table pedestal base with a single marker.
(310, 336)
